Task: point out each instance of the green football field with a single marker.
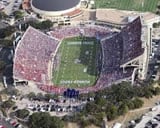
(77, 62)
(136, 5)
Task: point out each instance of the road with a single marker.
(5, 123)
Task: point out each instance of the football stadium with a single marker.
(83, 57)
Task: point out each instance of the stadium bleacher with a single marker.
(132, 45)
(112, 53)
(72, 31)
(34, 52)
(32, 56)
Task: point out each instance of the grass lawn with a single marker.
(77, 62)
(135, 5)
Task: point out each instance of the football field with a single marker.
(135, 5)
(77, 62)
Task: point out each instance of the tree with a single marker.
(41, 25)
(157, 91)
(44, 120)
(18, 14)
(4, 32)
(111, 111)
(121, 92)
(158, 6)
(39, 120)
(91, 94)
(47, 97)
(155, 25)
(12, 91)
(40, 96)
(22, 113)
(92, 108)
(100, 116)
(33, 24)
(83, 122)
(148, 92)
(7, 104)
(46, 24)
(31, 95)
(123, 109)
(6, 42)
(130, 104)
(137, 103)
(100, 101)
(2, 15)
(3, 111)
(2, 65)
(56, 123)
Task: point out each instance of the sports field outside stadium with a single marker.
(134, 5)
(77, 58)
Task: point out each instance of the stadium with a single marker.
(84, 57)
(56, 8)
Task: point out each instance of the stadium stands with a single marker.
(32, 56)
(132, 45)
(112, 53)
(118, 50)
(86, 30)
(34, 51)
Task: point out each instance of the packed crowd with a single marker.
(112, 53)
(132, 45)
(120, 48)
(116, 50)
(85, 30)
(31, 59)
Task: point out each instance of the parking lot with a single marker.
(154, 60)
(54, 107)
(11, 6)
(150, 119)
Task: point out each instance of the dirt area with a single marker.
(74, 125)
(31, 87)
(71, 125)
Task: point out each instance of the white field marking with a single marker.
(75, 82)
(80, 43)
(59, 68)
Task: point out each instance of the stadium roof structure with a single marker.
(32, 56)
(54, 7)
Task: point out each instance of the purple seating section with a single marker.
(132, 45)
(35, 51)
